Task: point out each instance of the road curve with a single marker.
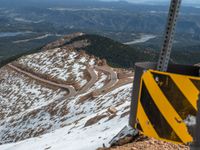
(92, 81)
(112, 84)
(113, 79)
(71, 89)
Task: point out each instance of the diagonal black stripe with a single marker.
(139, 127)
(174, 95)
(196, 83)
(158, 121)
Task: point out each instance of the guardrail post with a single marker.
(196, 137)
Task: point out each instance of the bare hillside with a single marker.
(61, 97)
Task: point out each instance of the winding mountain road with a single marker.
(92, 81)
(112, 77)
(71, 89)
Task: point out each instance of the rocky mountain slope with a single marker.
(145, 143)
(62, 98)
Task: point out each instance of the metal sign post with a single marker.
(165, 95)
(169, 35)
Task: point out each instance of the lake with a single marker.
(10, 34)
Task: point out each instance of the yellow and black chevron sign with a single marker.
(165, 101)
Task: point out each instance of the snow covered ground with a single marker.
(19, 93)
(80, 139)
(59, 64)
(37, 115)
(77, 136)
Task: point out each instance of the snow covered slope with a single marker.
(62, 98)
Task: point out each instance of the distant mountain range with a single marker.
(160, 2)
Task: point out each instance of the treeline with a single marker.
(116, 54)
(120, 55)
(14, 57)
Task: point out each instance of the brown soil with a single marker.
(120, 83)
(94, 120)
(125, 114)
(85, 98)
(144, 143)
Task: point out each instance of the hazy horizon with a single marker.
(194, 3)
(184, 2)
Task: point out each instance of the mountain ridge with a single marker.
(64, 93)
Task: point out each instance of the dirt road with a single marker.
(71, 89)
(92, 81)
(113, 83)
(112, 78)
